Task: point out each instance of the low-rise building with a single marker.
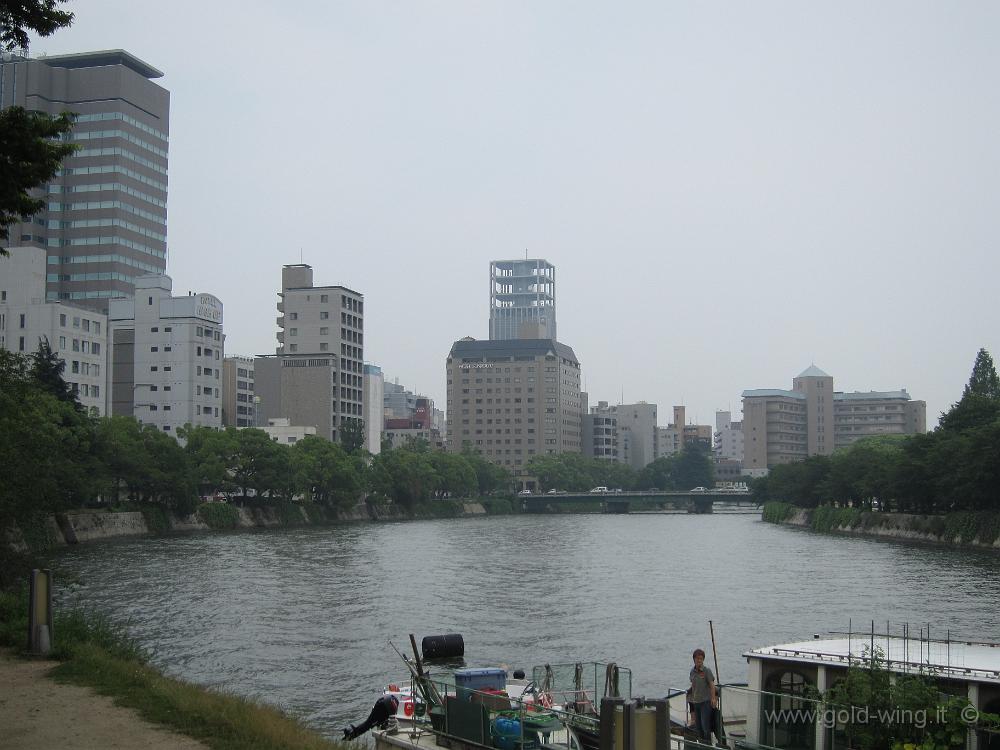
(281, 430)
(166, 356)
(77, 335)
(781, 426)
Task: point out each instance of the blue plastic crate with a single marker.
(490, 678)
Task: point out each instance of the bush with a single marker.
(498, 506)
(14, 618)
(219, 515)
(157, 520)
(775, 512)
(829, 518)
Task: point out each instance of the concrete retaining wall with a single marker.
(894, 526)
(78, 527)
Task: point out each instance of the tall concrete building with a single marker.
(105, 218)
(374, 392)
(781, 426)
(166, 356)
(79, 336)
(522, 299)
(728, 438)
(316, 375)
(637, 434)
(512, 400)
(238, 405)
(600, 432)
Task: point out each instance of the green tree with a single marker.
(120, 454)
(327, 473)
(47, 369)
(352, 435)
(30, 153)
(980, 402)
(40, 16)
(253, 464)
(45, 446)
(210, 455)
(693, 468)
(455, 475)
(406, 477)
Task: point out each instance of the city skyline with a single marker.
(728, 196)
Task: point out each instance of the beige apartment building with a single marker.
(315, 376)
(781, 426)
(514, 399)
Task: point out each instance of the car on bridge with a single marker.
(602, 488)
(700, 489)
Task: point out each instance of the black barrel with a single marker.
(448, 646)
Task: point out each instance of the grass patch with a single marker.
(221, 721)
(97, 653)
(775, 512)
(14, 618)
(218, 515)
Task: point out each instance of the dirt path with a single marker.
(37, 713)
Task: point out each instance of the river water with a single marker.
(301, 618)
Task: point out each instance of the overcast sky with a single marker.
(730, 192)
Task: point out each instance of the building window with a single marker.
(324, 315)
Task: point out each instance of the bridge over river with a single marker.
(707, 501)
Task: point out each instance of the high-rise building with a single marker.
(600, 432)
(728, 438)
(512, 400)
(522, 299)
(166, 356)
(316, 375)
(238, 392)
(637, 434)
(374, 387)
(781, 426)
(77, 335)
(105, 217)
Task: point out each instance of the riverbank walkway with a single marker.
(37, 713)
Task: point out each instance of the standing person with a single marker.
(703, 697)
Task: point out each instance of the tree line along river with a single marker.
(301, 618)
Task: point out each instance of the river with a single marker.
(301, 618)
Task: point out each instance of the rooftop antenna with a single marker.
(300, 256)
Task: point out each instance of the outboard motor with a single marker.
(383, 710)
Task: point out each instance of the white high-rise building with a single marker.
(79, 336)
(374, 389)
(166, 356)
(522, 299)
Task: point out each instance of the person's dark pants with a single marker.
(703, 720)
(380, 713)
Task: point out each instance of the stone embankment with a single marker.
(901, 526)
(80, 527)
